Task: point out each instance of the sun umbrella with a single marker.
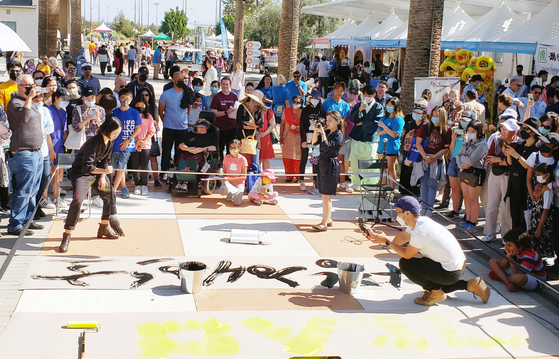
(10, 41)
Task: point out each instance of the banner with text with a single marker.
(438, 86)
(547, 58)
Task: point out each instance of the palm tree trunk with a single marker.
(423, 47)
(288, 37)
(52, 26)
(76, 29)
(238, 55)
(43, 16)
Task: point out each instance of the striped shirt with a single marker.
(532, 262)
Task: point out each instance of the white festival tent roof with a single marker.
(541, 28)
(365, 27)
(495, 23)
(148, 34)
(347, 27)
(230, 37)
(10, 40)
(103, 28)
(367, 38)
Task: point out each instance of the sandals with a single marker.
(320, 228)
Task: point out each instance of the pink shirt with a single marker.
(147, 127)
(235, 165)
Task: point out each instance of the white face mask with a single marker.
(39, 82)
(73, 92)
(541, 179)
(296, 106)
(125, 103)
(314, 102)
(64, 104)
(401, 221)
(368, 99)
(89, 103)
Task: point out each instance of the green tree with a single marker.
(314, 26)
(174, 24)
(229, 21)
(123, 25)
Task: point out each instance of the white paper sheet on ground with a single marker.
(309, 207)
(161, 299)
(221, 273)
(209, 237)
(232, 189)
(438, 332)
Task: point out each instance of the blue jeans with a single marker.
(27, 168)
(45, 177)
(428, 194)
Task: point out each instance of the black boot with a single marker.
(105, 231)
(65, 241)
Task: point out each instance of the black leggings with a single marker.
(303, 164)
(405, 176)
(225, 138)
(431, 275)
(140, 161)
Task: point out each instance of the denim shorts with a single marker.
(453, 169)
(120, 160)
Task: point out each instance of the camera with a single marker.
(321, 122)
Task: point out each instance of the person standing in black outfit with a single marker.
(90, 169)
(412, 125)
(379, 66)
(331, 140)
(310, 113)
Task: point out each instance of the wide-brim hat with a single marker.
(257, 97)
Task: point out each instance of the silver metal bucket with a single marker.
(350, 276)
(192, 276)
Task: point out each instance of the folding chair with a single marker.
(65, 161)
(373, 192)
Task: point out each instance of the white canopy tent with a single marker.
(365, 39)
(365, 27)
(230, 37)
(390, 23)
(148, 34)
(103, 28)
(10, 40)
(347, 27)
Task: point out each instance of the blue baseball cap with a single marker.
(408, 203)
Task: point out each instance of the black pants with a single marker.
(170, 138)
(140, 161)
(80, 187)
(303, 164)
(431, 275)
(405, 176)
(103, 67)
(225, 137)
(323, 83)
(518, 193)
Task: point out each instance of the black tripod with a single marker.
(383, 163)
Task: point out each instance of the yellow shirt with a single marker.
(6, 90)
(44, 68)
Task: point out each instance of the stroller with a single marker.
(207, 162)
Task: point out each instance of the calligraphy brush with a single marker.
(114, 221)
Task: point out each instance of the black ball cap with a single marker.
(88, 91)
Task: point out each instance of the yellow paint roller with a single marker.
(83, 325)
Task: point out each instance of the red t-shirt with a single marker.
(223, 102)
(235, 165)
(436, 141)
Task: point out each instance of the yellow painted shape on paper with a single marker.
(309, 341)
(157, 344)
(380, 341)
(453, 340)
(406, 338)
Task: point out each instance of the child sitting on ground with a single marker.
(263, 191)
(518, 246)
(234, 163)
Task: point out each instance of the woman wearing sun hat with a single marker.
(250, 117)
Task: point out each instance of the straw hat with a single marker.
(257, 97)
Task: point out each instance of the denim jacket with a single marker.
(473, 154)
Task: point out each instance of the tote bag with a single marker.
(413, 153)
(75, 139)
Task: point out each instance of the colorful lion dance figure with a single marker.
(455, 62)
(484, 66)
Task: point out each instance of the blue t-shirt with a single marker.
(129, 119)
(293, 91)
(131, 54)
(268, 93)
(175, 118)
(342, 107)
(279, 95)
(393, 143)
(156, 57)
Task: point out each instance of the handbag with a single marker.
(469, 178)
(155, 150)
(248, 145)
(109, 68)
(413, 153)
(75, 139)
(210, 163)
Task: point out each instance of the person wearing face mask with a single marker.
(290, 138)
(141, 82)
(390, 130)
(471, 159)
(89, 115)
(60, 101)
(366, 72)
(214, 89)
(50, 83)
(431, 170)
(194, 111)
(87, 80)
(198, 86)
(472, 84)
(139, 159)
(453, 169)
(38, 77)
(544, 155)
(517, 191)
(418, 117)
(519, 75)
(25, 144)
(541, 79)
(498, 180)
(309, 115)
(541, 226)
(364, 137)
(70, 68)
(442, 263)
(10, 86)
(250, 118)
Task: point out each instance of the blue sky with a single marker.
(201, 12)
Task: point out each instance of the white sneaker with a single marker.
(46, 203)
(145, 190)
(302, 186)
(314, 192)
(489, 238)
(97, 202)
(344, 187)
(138, 190)
(58, 202)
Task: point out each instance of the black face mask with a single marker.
(545, 149)
(524, 134)
(13, 75)
(143, 78)
(28, 89)
(519, 72)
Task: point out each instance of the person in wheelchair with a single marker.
(193, 147)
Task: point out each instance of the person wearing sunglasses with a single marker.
(296, 87)
(512, 90)
(534, 105)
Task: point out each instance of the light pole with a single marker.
(107, 14)
(156, 14)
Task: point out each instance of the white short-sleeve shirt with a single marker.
(531, 161)
(436, 243)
